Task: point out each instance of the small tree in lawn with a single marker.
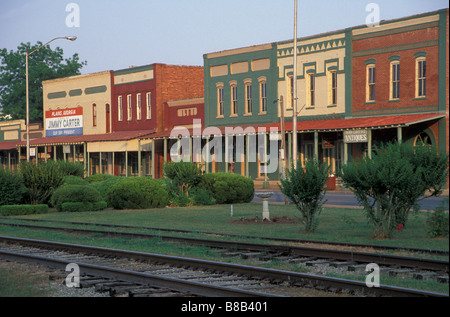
(393, 180)
(306, 188)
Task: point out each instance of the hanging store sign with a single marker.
(355, 136)
(64, 122)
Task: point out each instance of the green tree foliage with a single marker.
(306, 188)
(44, 64)
(393, 180)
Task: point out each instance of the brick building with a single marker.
(400, 68)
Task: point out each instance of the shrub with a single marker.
(202, 197)
(137, 193)
(74, 194)
(12, 189)
(227, 188)
(306, 188)
(437, 221)
(183, 174)
(19, 210)
(76, 207)
(71, 168)
(104, 186)
(389, 184)
(74, 180)
(99, 178)
(41, 180)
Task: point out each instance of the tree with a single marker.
(185, 174)
(306, 188)
(393, 180)
(44, 64)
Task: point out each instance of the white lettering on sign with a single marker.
(355, 136)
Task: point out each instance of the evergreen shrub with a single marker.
(12, 189)
(74, 194)
(137, 193)
(227, 188)
(19, 210)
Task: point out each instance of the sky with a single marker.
(117, 34)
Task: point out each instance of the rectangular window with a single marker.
(234, 100)
(421, 78)
(130, 109)
(138, 107)
(248, 98)
(220, 101)
(395, 80)
(263, 90)
(371, 83)
(333, 88)
(94, 115)
(312, 89)
(149, 105)
(119, 109)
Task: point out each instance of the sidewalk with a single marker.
(275, 186)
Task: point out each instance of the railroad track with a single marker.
(438, 269)
(133, 271)
(283, 240)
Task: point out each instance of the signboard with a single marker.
(355, 136)
(64, 122)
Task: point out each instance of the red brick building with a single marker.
(139, 94)
(141, 101)
(401, 68)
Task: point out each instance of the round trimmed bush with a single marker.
(99, 178)
(137, 193)
(74, 194)
(228, 188)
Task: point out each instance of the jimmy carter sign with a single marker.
(64, 122)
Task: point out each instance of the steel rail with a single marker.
(435, 265)
(333, 243)
(274, 274)
(378, 247)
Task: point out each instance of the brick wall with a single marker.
(407, 71)
(174, 83)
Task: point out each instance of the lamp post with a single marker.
(70, 38)
(294, 97)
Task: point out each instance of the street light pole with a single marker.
(294, 97)
(70, 38)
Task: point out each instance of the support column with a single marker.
(100, 163)
(399, 135)
(126, 163)
(369, 143)
(153, 160)
(165, 150)
(289, 150)
(316, 146)
(247, 155)
(85, 158)
(139, 158)
(226, 156)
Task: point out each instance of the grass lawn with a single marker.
(336, 224)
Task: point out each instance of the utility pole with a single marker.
(294, 97)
